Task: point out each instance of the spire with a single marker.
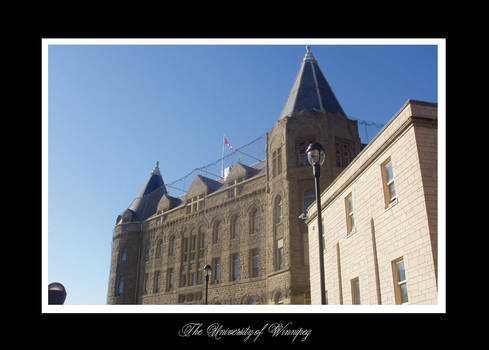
(310, 90)
(146, 201)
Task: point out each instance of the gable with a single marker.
(238, 171)
(202, 185)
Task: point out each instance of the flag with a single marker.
(227, 143)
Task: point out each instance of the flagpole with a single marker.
(222, 158)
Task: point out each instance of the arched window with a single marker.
(346, 158)
(119, 286)
(278, 210)
(279, 299)
(251, 301)
(123, 255)
(202, 242)
(346, 155)
(159, 249)
(171, 246)
(254, 221)
(235, 227)
(193, 246)
(217, 232)
(147, 253)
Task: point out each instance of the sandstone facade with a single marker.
(380, 218)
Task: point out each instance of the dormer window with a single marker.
(195, 204)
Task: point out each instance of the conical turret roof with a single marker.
(310, 90)
(146, 201)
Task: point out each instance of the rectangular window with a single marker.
(171, 246)
(389, 185)
(157, 281)
(185, 249)
(280, 254)
(217, 270)
(350, 221)
(400, 283)
(170, 279)
(239, 190)
(301, 147)
(309, 198)
(277, 162)
(146, 283)
(274, 163)
(202, 245)
(217, 232)
(301, 152)
(255, 262)
(355, 291)
(234, 267)
(120, 286)
(192, 278)
(255, 226)
(202, 276)
(194, 248)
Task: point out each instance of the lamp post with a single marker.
(207, 269)
(315, 157)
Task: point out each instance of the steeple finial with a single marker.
(156, 170)
(308, 56)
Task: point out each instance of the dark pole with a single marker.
(316, 172)
(207, 268)
(206, 287)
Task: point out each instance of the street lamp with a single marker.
(56, 293)
(315, 157)
(207, 269)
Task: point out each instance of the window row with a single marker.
(194, 246)
(389, 189)
(191, 278)
(234, 267)
(236, 226)
(399, 283)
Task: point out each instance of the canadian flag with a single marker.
(227, 143)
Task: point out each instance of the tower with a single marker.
(311, 113)
(126, 241)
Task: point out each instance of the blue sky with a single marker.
(113, 110)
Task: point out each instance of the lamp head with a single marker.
(315, 154)
(56, 294)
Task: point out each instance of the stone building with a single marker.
(380, 238)
(246, 225)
